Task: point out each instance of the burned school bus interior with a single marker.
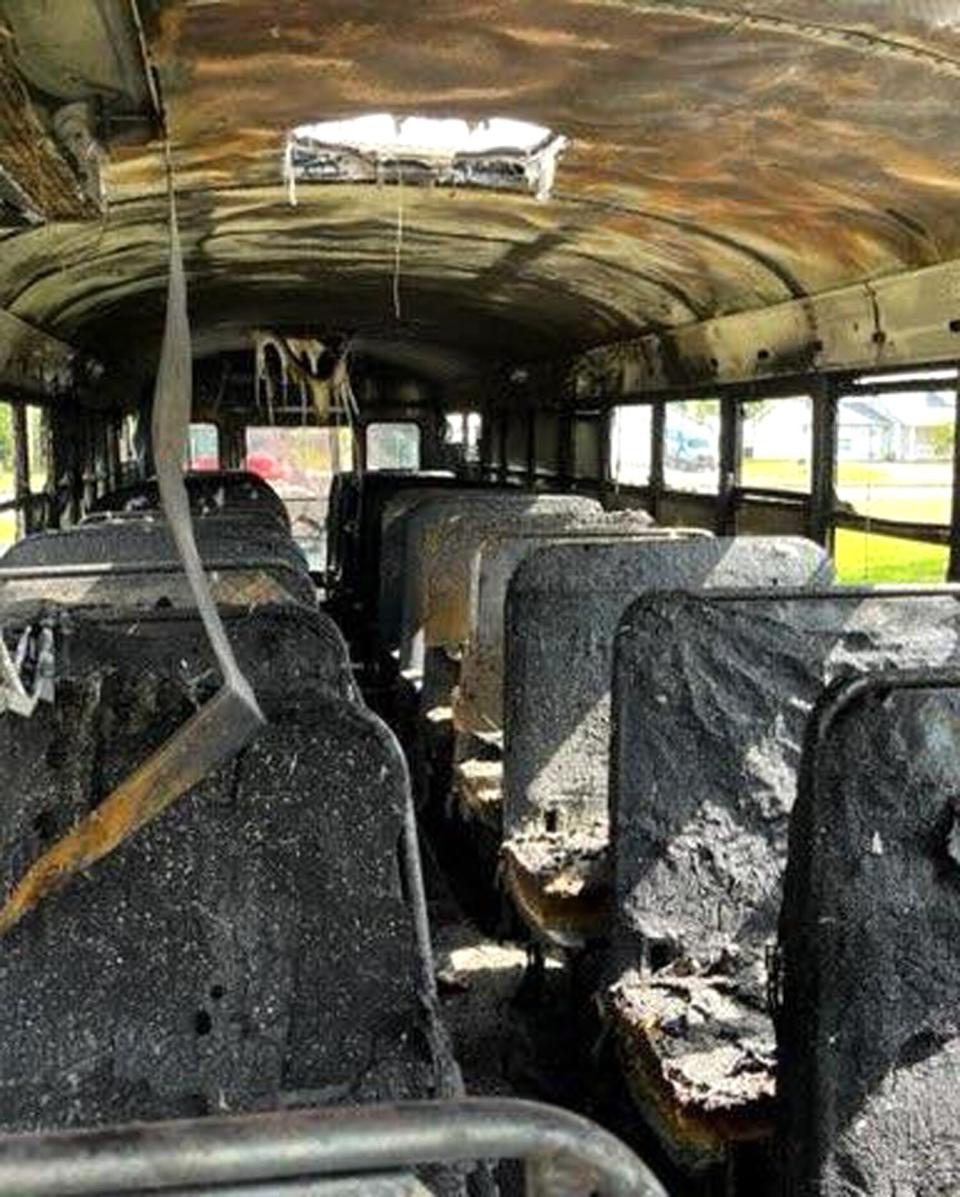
(479, 627)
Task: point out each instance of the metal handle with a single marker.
(167, 1157)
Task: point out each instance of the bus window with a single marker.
(777, 444)
(894, 462)
(587, 454)
(299, 464)
(203, 448)
(37, 450)
(630, 434)
(691, 450)
(393, 445)
(463, 430)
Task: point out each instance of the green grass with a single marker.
(866, 557)
(916, 492)
(775, 475)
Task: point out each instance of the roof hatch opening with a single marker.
(503, 153)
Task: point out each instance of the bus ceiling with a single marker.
(720, 193)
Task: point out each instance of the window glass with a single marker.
(517, 441)
(586, 447)
(464, 429)
(37, 449)
(867, 557)
(393, 446)
(546, 443)
(630, 432)
(299, 464)
(777, 443)
(691, 451)
(128, 440)
(895, 454)
(203, 447)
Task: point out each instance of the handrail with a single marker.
(166, 1157)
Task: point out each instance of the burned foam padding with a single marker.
(251, 948)
(392, 533)
(710, 700)
(869, 1028)
(478, 708)
(440, 538)
(563, 606)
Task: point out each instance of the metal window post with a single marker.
(21, 469)
(658, 426)
(824, 463)
(731, 440)
(953, 569)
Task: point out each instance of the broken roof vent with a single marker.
(507, 154)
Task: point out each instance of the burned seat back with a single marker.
(150, 540)
(710, 700)
(157, 585)
(479, 701)
(253, 946)
(211, 493)
(118, 545)
(357, 516)
(564, 603)
(440, 539)
(869, 1028)
(392, 533)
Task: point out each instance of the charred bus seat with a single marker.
(394, 522)
(147, 541)
(258, 945)
(355, 514)
(156, 585)
(211, 493)
(564, 603)
(478, 706)
(275, 645)
(475, 808)
(868, 1036)
(148, 538)
(711, 697)
(440, 537)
